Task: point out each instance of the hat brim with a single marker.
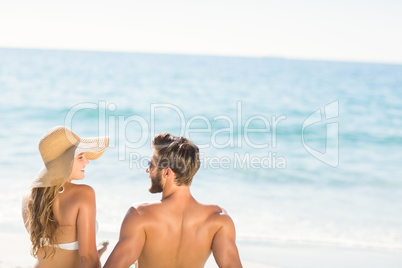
(93, 147)
(57, 171)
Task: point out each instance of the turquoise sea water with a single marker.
(296, 151)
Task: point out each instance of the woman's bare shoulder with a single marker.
(82, 189)
(79, 194)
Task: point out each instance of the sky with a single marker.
(343, 30)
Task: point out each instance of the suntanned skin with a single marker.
(175, 232)
(75, 211)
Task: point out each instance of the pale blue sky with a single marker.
(351, 30)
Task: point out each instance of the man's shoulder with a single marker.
(213, 209)
(216, 213)
(142, 209)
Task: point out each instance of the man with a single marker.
(177, 231)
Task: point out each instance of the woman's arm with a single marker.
(86, 224)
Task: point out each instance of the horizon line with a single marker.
(208, 55)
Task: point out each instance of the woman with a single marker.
(60, 216)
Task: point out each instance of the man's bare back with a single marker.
(175, 232)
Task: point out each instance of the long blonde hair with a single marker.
(41, 223)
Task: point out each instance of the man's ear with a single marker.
(167, 172)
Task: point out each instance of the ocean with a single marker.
(296, 151)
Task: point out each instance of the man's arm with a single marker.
(131, 241)
(224, 244)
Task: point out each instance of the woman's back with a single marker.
(74, 210)
(65, 208)
(61, 259)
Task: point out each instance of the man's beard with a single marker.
(156, 185)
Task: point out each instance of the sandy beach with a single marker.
(15, 254)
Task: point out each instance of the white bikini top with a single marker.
(68, 246)
(72, 245)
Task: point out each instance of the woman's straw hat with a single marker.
(58, 147)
